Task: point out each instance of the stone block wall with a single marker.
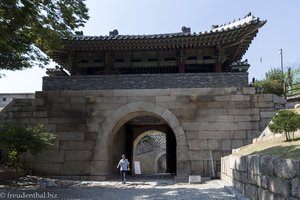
(146, 81)
(268, 134)
(147, 164)
(262, 176)
(6, 98)
(204, 119)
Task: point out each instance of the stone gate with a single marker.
(86, 122)
(108, 90)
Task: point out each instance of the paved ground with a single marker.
(132, 190)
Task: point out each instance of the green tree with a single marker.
(275, 74)
(31, 27)
(269, 87)
(297, 89)
(16, 139)
(286, 122)
(289, 77)
(294, 85)
(273, 83)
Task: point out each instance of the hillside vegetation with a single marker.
(275, 146)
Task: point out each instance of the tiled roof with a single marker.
(134, 37)
(247, 20)
(233, 38)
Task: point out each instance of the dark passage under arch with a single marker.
(126, 135)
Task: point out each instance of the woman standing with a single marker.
(124, 167)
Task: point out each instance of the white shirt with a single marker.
(124, 164)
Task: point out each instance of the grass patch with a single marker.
(276, 146)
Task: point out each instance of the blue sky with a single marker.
(167, 16)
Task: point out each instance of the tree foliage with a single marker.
(275, 81)
(289, 77)
(269, 87)
(272, 84)
(16, 139)
(294, 84)
(286, 122)
(31, 27)
(275, 74)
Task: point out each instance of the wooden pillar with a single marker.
(218, 67)
(72, 63)
(181, 61)
(109, 62)
(219, 56)
(181, 65)
(73, 70)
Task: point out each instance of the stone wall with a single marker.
(268, 134)
(202, 119)
(149, 162)
(263, 176)
(145, 81)
(292, 102)
(6, 98)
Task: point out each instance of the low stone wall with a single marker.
(262, 176)
(145, 81)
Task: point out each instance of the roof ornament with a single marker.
(214, 26)
(114, 33)
(80, 33)
(57, 71)
(186, 30)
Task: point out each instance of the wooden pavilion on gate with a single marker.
(218, 50)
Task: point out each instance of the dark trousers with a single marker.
(123, 175)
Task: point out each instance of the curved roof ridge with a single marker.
(247, 20)
(128, 35)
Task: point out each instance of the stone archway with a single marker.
(101, 163)
(138, 139)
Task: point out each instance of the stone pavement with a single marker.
(133, 189)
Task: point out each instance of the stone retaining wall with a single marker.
(145, 81)
(262, 176)
(268, 134)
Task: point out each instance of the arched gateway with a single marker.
(102, 164)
